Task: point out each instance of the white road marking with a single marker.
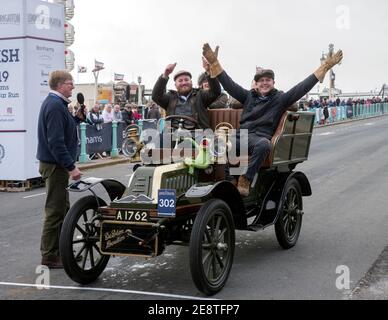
(326, 133)
(35, 195)
(146, 293)
(369, 124)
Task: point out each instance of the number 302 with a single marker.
(166, 203)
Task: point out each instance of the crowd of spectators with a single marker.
(99, 113)
(314, 103)
(325, 104)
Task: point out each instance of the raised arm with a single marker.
(235, 90)
(211, 95)
(159, 94)
(302, 88)
(298, 91)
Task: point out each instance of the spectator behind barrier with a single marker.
(153, 111)
(107, 114)
(82, 111)
(127, 115)
(95, 118)
(117, 116)
(135, 113)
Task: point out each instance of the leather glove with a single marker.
(212, 57)
(327, 64)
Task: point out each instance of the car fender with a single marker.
(114, 188)
(225, 191)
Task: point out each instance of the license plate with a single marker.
(132, 215)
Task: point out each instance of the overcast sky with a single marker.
(140, 37)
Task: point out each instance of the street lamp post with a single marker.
(139, 97)
(331, 75)
(139, 100)
(95, 74)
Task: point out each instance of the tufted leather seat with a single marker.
(231, 116)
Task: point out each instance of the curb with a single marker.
(103, 163)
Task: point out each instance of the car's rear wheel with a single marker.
(78, 244)
(289, 223)
(212, 244)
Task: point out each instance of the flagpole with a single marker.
(95, 73)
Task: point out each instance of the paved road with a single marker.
(345, 224)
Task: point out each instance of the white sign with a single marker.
(31, 46)
(11, 19)
(12, 61)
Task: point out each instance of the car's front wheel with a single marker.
(212, 244)
(78, 244)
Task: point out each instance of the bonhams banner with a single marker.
(31, 46)
(99, 141)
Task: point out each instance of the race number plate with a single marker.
(132, 215)
(166, 202)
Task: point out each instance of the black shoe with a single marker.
(52, 262)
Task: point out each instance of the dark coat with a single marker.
(95, 119)
(153, 113)
(57, 133)
(127, 117)
(261, 115)
(199, 100)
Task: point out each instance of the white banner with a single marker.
(11, 19)
(12, 156)
(11, 84)
(29, 50)
(45, 20)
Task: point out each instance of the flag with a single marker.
(82, 69)
(119, 77)
(98, 65)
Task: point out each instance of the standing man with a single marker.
(186, 100)
(263, 107)
(57, 152)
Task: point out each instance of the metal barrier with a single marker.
(96, 141)
(109, 138)
(343, 113)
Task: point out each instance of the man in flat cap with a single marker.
(186, 100)
(263, 107)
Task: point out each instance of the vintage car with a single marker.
(190, 203)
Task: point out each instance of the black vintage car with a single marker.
(190, 203)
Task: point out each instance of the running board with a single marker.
(255, 227)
